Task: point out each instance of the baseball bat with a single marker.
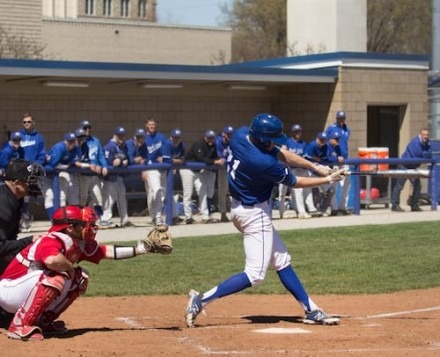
(409, 173)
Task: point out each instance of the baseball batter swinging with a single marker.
(254, 168)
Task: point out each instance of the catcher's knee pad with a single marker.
(57, 282)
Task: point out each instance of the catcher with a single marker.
(44, 279)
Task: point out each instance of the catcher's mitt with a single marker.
(159, 240)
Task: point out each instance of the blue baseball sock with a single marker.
(230, 286)
(50, 211)
(98, 210)
(292, 283)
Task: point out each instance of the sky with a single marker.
(190, 12)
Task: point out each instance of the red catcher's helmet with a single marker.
(90, 229)
(64, 217)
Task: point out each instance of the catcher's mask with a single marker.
(73, 216)
(27, 172)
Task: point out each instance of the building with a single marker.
(112, 31)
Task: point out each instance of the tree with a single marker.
(399, 26)
(259, 29)
(19, 47)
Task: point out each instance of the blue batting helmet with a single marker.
(266, 128)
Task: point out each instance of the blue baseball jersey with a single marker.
(60, 155)
(344, 134)
(332, 154)
(33, 145)
(416, 149)
(113, 150)
(154, 144)
(92, 152)
(9, 154)
(221, 147)
(316, 153)
(134, 151)
(169, 151)
(252, 173)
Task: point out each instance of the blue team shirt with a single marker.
(253, 173)
(135, 151)
(314, 150)
(33, 145)
(9, 154)
(154, 146)
(169, 151)
(344, 134)
(59, 155)
(221, 147)
(92, 152)
(417, 150)
(332, 154)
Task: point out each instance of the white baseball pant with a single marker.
(114, 192)
(90, 184)
(155, 188)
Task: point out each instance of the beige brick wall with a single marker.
(21, 18)
(133, 42)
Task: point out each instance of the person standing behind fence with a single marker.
(34, 150)
(222, 147)
(62, 155)
(418, 148)
(92, 158)
(173, 152)
(344, 132)
(202, 150)
(296, 145)
(155, 180)
(113, 189)
(11, 151)
(136, 148)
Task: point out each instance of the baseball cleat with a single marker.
(54, 328)
(319, 317)
(25, 333)
(194, 307)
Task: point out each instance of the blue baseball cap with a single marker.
(176, 133)
(16, 135)
(296, 127)
(228, 129)
(139, 132)
(79, 133)
(340, 114)
(85, 123)
(322, 136)
(119, 131)
(335, 135)
(209, 134)
(70, 136)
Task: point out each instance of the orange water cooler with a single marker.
(367, 153)
(382, 153)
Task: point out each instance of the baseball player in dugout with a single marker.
(202, 150)
(255, 165)
(136, 148)
(222, 146)
(341, 127)
(44, 278)
(93, 160)
(155, 180)
(34, 150)
(11, 151)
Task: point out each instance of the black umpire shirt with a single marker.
(10, 213)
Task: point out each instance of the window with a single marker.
(125, 6)
(90, 7)
(142, 11)
(107, 11)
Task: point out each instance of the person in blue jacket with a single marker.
(418, 148)
(341, 128)
(62, 155)
(136, 148)
(11, 151)
(93, 160)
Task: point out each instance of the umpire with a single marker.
(21, 179)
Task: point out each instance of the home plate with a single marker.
(281, 330)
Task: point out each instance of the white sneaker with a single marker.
(304, 216)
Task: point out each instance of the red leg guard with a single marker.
(42, 294)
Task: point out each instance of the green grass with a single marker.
(347, 260)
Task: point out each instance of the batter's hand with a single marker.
(337, 175)
(322, 170)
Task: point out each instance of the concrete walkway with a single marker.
(370, 216)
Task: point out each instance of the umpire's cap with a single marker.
(23, 170)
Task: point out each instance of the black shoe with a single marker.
(397, 209)
(189, 221)
(345, 212)
(416, 209)
(334, 213)
(127, 224)
(224, 218)
(177, 220)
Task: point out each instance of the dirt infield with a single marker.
(399, 324)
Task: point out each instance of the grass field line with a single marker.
(398, 313)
